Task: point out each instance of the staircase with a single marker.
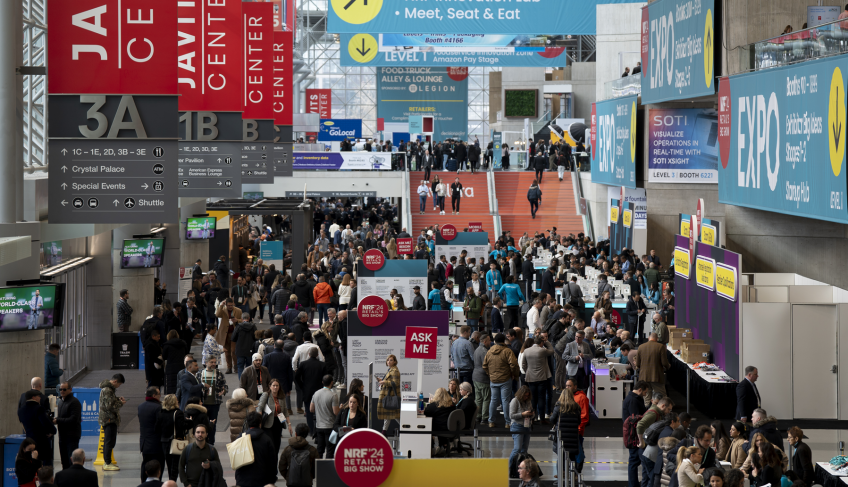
(474, 206)
(557, 208)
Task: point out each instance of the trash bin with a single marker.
(11, 444)
(125, 350)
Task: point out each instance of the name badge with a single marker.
(259, 389)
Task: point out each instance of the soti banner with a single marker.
(683, 145)
(439, 92)
(614, 147)
(785, 140)
(678, 50)
(372, 50)
(367, 161)
(27, 308)
(397, 16)
(337, 130)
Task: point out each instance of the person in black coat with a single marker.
(37, 424)
(747, 395)
(540, 162)
(150, 430)
(634, 403)
(279, 365)
(308, 377)
(36, 386)
(172, 424)
(27, 462)
(154, 366)
(549, 285)
(263, 470)
(527, 273)
(461, 156)
(566, 417)
(69, 423)
(497, 318)
(325, 343)
(189, 385)
(636, 312)
(173, 353)
(77, 474)
(802, 458)
(418, 302)
(344, 423)
(466, 401)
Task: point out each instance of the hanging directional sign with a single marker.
(283, 102)
(210, 154)
(257, 165)
(112, 111)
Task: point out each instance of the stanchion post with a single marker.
(559, 480)
(370, 389)
(688, 371)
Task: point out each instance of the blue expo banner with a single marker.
(683, 145)
(337, 130)
(575, 17)
(782, 140)
(614, 144)
(272, 252)
(678, 50)
(364, 50)
(368, 161)
(439, 92)
(89, 398)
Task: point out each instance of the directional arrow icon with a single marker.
(115, 202)
(64, 185)
(64, 203)
(64, 151)
(362, 52)
(219, 183)
(144, 186)
(219, 160)
(64, 168)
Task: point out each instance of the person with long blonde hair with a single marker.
(344, 292)
(566, 417)
(391, 248)
(689, 471)
(439, 409)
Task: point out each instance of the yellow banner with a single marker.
(628, 218)
(705, 272)
(726, 281)
(708, 235)
(682, 263)
(684, 228)
(614, 214)
(491, 472)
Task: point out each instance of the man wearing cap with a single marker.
(255, 380)
(418, 302)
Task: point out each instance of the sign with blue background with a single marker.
(439, 92)
(678, 50)
(683, 145)
(364, 50)
(576, 17)
(614, 150)
(784, 130)
(337, 130)
(416, 124)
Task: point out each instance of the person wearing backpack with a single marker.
(632, 411)
(297, 463)
(655, 413)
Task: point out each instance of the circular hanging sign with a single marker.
(373, 260)
(448, 232)
(615, 318)
(372, 311)
(363, 458)
(458, 74)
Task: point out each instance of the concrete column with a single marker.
(139, 282)
(19, 113)
(99, 304)
(10, 20)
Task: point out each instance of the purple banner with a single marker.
(397, 322)
(711, 317)
(365, 161)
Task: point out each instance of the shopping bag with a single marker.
(241, 452)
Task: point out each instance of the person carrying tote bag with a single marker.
(388, 407)
(241, 452)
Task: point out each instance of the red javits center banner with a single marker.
(282, 94)
(258, 25)
(319, 101)
(209, 39)
(95, 48)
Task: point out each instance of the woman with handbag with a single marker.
(274, 401)
(388, 406)
(566, 418)
(351, 417)
(173, 436)
(262, 298)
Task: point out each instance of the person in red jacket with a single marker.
(583, 401)
(322, 294)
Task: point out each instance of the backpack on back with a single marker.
(300, 473)
(631, 438)
(652, 434)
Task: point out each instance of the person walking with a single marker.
(255, 379)
(243, 337)
(502, 367)
(237, 409)
(199, 456)
(325, 407)
(537, 375)
(456, 195)
(189, 386)
(423, 191)
(68, 421)
(534, 196)
(125, 311)
(389, 387)
(566, 415)
(297, 462)
(173, 426)
(110, 417)
(651, 363)
(540, 162)
(277, 419)
(442, 192)
(462, 354)
(150, 430)
(173, 352)
(279, 365)
(229, 315)
(309, 376)
(322, 294)
(521, 418)
(214, 389)
(262, 471)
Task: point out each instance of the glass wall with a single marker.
(72, 336)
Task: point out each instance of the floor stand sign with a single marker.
(476, 243)
(377, 276)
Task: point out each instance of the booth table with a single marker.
(606, 395)
(827, 477)
(702, 388)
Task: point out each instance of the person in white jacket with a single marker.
(302, 352)
(689, 471)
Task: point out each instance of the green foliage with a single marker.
(520, 103)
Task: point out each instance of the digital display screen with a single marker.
(31, 307)
(201, 228)
(147, 252)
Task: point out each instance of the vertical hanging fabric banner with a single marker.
(258, 117)
(283, 103)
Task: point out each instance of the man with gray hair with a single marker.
(278, 329)
(300, 327)
(767, 425)
(659, 328)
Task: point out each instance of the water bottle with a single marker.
(420, 403)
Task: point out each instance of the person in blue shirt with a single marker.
(511, 293)
(462, 354)
(652, 293)
(435, 297)
(494, 280)
(431, 244)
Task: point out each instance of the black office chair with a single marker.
(456, 423)
(467, 447)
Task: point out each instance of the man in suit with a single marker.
(636, 313)
(69, 422)
(77, 474)
(37, 424)
(150, 429)
(37, 385)
(45, 477)
(747, 395)
(652, 362)
(309, 377)
(497, 317)
(527, 273)
(577, 355)
(548, 283)
(152, 472)
(189, 385)
(197, 271)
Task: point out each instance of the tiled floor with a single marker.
(606, 458)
